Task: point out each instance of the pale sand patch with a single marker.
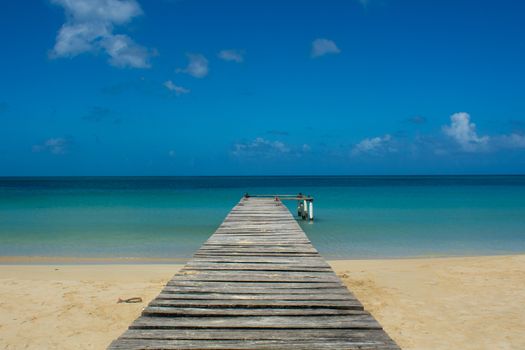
(73, 307)
(448, 303)
(444, 303)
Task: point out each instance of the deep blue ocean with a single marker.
(170, 217)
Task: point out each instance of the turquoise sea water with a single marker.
(356, 217)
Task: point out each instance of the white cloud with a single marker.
(114, 11)
(511, 141)
(74, 39)
(232, 55)
(124, 52)
(374, 146)
(57, 145)
(197, 66)
(321, 47)
(260, 147)
(179, 90)
(89, 28)
(464, 133)
(460, 135)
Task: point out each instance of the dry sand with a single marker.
(447, 303)
(444, 303)
(73, 306)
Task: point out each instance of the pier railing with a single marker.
(305, 203)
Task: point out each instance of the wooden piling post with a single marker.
(305, 211)
(300, 208)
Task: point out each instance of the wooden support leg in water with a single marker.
(305, 211)
(300, 208)
(305, 208)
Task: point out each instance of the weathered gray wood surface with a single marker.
(257, 283)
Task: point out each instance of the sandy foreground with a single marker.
(443, 303)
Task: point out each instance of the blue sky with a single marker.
(223, 87)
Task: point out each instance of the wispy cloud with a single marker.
(260, 147)
(463, 131)
(269, 149)
(89, 27)
(57, 146)
(178, 90)
(513, 140)
(374, 146)
(417, 119)
(232, 55)
(197, 66)
(321, 47)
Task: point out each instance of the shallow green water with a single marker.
(356, 217)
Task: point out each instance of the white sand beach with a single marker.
(438, 303)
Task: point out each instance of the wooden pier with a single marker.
(257, 283)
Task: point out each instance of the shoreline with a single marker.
(70, 260)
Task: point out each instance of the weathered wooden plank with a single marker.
(244, 296)
(363, 321)
(257, 284)
(259, 303)
(261, 230)
(229, 289)
(304, 276)
(243, 242)
(254, 276)
(270, 238)
(263, 234)
(255, 249)
(281, 245)
(257, 334)
(269, 254)
(162, 344)
(188, 271)
(253, 267)
(316, 260)
(235, 312)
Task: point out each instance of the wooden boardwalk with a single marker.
(257, 283)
